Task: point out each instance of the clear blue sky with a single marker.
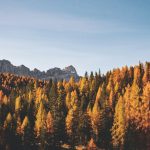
(89, 34)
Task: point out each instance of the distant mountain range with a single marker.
(54, 73)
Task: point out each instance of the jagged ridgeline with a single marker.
(97, 112)
(54, 73)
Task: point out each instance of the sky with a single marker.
(88, 34)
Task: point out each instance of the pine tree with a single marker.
(40, 119)
(111, 99)
(18, 133)
(38, 96)
(84, 128)
(135, 104)
(9, 131)
(6, 100)
(110, 84)
(53, 98)
(72, 127)
(27, 135)
(144, 124)
(40, 126)
(84, 88)
(18, 104)
(49, 123)
(49, 130)
(146, 76)
(119, 125)
(99, 117)
(59, 119)
(68, 100)
(8, 120)
(145, 109)
(95, 118)
(72, 119)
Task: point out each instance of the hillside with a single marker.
(107, 112)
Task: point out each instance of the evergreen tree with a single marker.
(119, 125)
(49, 131)
(9, 132)
(27, 136)
(84, 128)
(40, 126)
(18, 104)
(146, 76)
(72, 120)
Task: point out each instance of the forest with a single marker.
(99, 112)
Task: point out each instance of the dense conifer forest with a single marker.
(105, 112)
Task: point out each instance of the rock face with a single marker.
(54, 73)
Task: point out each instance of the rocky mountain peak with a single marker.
(5, 62)
(54, 73)
(70, 69)
(36, 70)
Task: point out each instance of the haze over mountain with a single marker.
(53, 73)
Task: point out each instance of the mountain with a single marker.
(54, 73)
